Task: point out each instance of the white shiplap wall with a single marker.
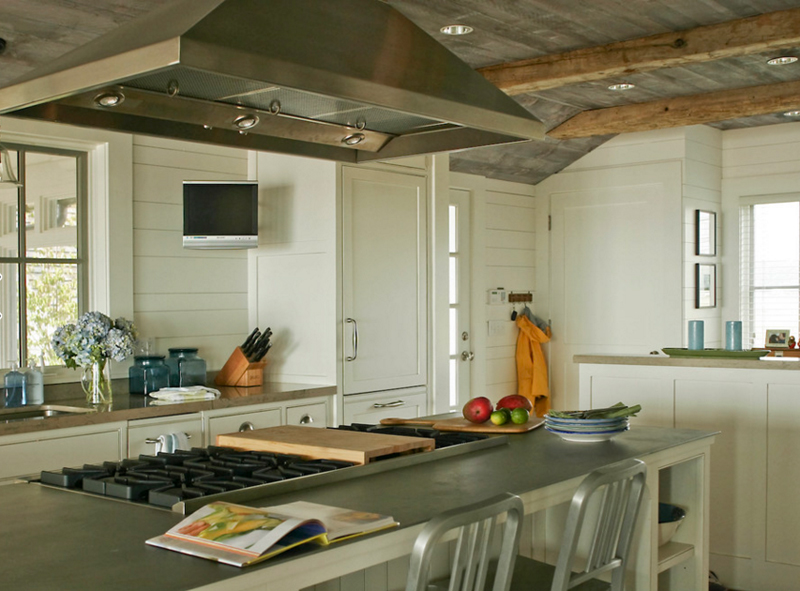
(702, 189)
(184, 298)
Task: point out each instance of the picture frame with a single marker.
(705, 238)
(705, 285)
(777, 338)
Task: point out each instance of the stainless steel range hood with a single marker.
(347, 80)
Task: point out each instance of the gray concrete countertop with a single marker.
(787, 363)
(53, 539)
(126, 406)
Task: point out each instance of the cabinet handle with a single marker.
(394, 404)
(355, 340)
(306, 420)
(246, 426)
(153, 441)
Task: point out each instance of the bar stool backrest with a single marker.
(476, 526)
(621, 487)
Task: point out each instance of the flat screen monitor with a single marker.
(220, 214)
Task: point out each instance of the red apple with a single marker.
(478, 410)
(515, 401)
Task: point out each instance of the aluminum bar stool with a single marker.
(477, 526)
(621, 489)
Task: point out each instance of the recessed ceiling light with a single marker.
(782, 61)
(622, 86)
(457, 30)
(246, 121)
(109, 99)
(792, 114)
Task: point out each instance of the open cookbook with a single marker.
(240, 535)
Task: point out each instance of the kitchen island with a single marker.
(753, 403)
(53, 539)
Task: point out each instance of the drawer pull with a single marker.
(154, 440)
(394, 404)
(246, 426)
(306, 419)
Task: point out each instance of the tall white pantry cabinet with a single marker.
(384, 317)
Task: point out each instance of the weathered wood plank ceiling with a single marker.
(508, 31)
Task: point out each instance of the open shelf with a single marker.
(673, 553)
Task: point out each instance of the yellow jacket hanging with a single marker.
(531, 366)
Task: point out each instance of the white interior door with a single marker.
(461, 347)
(615, 266)
(384, 274)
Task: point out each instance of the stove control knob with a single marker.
(246, 426)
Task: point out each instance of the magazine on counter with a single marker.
(240, 535)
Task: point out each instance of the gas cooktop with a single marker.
(185, 479)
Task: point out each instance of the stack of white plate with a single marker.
(575, 429)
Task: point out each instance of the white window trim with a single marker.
(110, 220)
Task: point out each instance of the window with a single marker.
(770, 268)
(42, 251)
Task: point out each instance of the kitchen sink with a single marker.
(40, 411)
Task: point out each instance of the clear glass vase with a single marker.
(96, 382)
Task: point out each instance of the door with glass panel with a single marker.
(461, 351)
(42, 265)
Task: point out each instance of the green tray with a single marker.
(750, 354)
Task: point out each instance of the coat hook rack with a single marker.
(520, 297)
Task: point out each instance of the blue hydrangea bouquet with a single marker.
(90, 343)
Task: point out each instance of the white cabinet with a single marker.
(30, 453)
(371, 408)
(753, 514)
(311, 412)
(143, 434)
(384, 279)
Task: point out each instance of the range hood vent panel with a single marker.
(209, 86)
(349, 63)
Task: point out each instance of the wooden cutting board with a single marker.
(332, 444)
(461, 424)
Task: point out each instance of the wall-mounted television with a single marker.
(220, 214)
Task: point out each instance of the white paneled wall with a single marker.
(293, 271)
(184, 298)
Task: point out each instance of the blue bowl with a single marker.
(669, 518)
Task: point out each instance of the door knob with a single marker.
(467, 355)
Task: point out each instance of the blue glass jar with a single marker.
(185, 367)
(14, 384)
(148, 374)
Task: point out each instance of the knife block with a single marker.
(239, 371)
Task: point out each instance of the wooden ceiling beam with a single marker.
(686, 110)
(772, 31)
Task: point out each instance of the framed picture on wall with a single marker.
(705, 233)
(777, 338)
(705, 285)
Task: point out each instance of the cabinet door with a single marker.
(50, 450)
(384, 267)
(371, 408)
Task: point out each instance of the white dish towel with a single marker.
(184, 394)
(169, 442)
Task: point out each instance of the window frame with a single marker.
(22, 261)
(109, 211)
(747, 263)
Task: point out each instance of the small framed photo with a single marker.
(705, 233)
(705, 285)
(777, 338)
